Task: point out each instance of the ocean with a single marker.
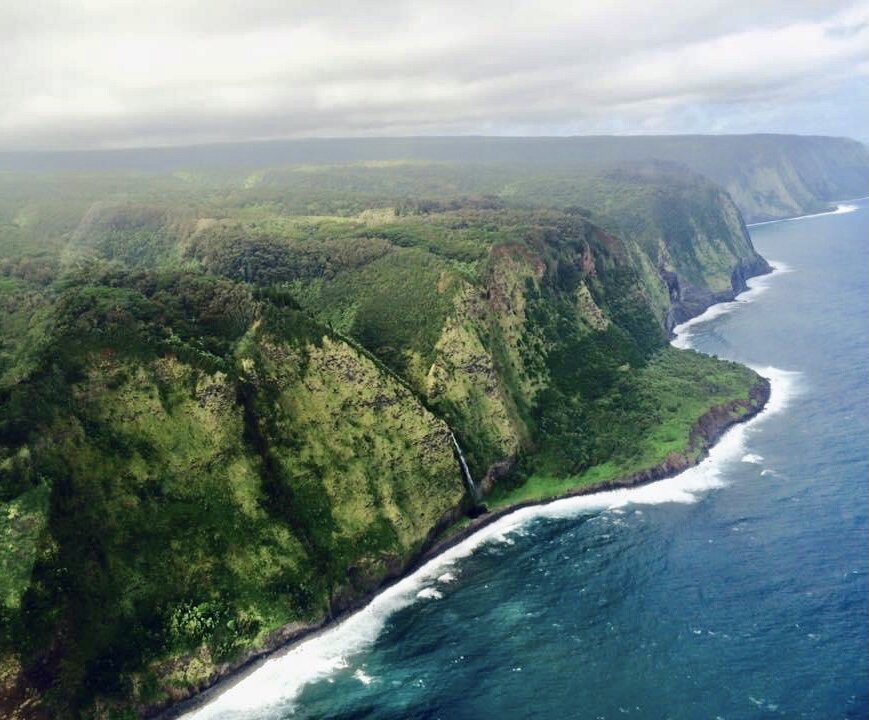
(735, 590)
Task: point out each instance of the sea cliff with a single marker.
(705, 433)
(229, 403)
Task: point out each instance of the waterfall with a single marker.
(466, 473)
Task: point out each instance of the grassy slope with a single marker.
(673, 391)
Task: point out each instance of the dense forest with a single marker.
(229, 395)
(768, 176)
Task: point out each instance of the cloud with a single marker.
(113, 73)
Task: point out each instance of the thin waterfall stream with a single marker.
(466, 473)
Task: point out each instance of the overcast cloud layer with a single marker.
(123, 73)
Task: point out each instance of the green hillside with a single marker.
(228, 396)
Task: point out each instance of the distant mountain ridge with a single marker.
(768, 176)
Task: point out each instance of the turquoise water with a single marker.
(738, 590)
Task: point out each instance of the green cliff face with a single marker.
(690, 231)
(771, 177)
(186, 470)
(227, 401)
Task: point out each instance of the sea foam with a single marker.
(430, 593)
(271, 689)
(363, 677)
(756, 287)
(840, 210)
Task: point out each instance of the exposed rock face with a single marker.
(689, 301)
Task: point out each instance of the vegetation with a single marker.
(767, 176)
(227, 397)
(648, 417)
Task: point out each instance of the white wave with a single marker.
(429, 593)
(752, 458)
(756, 287)
(840, 210)
(446, 578)
(762, 703)
(279, 680)
(785, 385)
(363, 677)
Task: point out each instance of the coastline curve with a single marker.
(274, 676)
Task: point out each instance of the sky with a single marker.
(82, 74)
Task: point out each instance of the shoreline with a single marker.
(837, 210)
(704, 435)
(708, 430)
